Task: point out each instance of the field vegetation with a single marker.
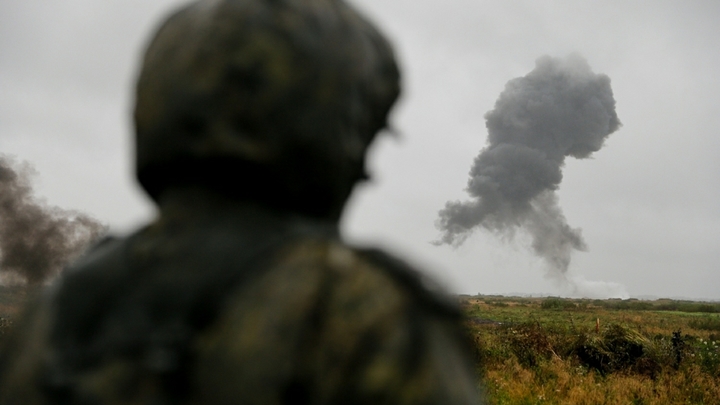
(565, 351)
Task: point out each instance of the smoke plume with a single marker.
(36, 241)
(559, 109)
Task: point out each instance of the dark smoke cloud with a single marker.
(559, 109)
(36, 241)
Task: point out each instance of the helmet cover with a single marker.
(270, 99)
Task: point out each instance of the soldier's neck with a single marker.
(190, 202)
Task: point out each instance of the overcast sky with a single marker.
(647, 203)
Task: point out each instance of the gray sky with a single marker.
(647, 203)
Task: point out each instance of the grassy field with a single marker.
(563, 351)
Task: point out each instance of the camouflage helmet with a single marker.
(269, 99)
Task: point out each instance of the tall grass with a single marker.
(558, 351)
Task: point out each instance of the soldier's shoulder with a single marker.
(88, 287)
(424, 288)
(372, 272)
(102, 265)
(25, 351)
(103, 259)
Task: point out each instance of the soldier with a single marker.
(252, 122)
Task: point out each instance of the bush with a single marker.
(557, 303)
(705, 323)
(529, 343)
(618, 348)
(693, 307)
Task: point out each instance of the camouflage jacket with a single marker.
(241, 308)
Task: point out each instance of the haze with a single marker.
(647, 202)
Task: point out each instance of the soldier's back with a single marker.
(238, 305)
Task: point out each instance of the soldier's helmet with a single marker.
(275, 100)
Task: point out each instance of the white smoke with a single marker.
(579, 287)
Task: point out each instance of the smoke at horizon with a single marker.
(559, 109)
(36, 240)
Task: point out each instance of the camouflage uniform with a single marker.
(241, 291)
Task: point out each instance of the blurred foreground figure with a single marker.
(252, 119)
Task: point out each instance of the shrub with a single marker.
(557, 303)
(705, 323)
(529, 343)
(618, 348)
